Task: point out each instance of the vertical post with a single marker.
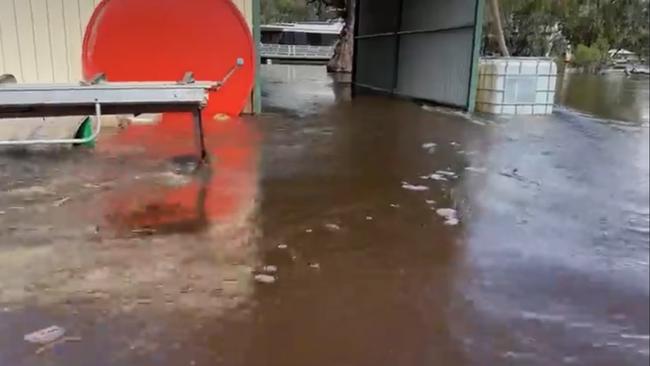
(397, 46)
(355, 45)
(476, 47)
(199, 137)
(257, 37)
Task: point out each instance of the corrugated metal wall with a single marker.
(422, 49)
(40, 40)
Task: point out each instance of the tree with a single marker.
(495, 12)
(591, 58)
(344, 49)
(548, 27)
(273, 11)
(620, 23)
(530, 27)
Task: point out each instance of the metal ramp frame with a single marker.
(99, 97)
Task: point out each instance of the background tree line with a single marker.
(587, 28)
(274, 11)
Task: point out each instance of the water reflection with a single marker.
(610, 96)
(148, 234)
(310, 89)
(179, 198)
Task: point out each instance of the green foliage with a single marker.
(300, 10)
(586, 56)
(622, 23)
(273, 11)
(547, 27)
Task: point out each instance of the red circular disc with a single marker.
(160, 40)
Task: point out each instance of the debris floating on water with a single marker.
(394, 205)
(475, 169)
(514, 174)
(45, 335)
(441, 175)
(369, 218)
(314, 265)
(221, 117)
(332, 227)
(446, 172)
(282, 246)
(430, 147)
(308, 230)
(61, 202)
(412, 187)
(435, 176)
(270, 268)
(449, 214)
(264, 278)
(430, 202)
(29, 191)
(643, 337)
(143, 301)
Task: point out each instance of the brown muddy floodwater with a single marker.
(541, 258)
(611, 96)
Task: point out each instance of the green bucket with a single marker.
(85, 131)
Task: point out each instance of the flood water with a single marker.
(611, 96)
(541, 258)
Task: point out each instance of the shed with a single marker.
(420, 49)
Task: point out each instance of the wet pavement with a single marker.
(333, 232)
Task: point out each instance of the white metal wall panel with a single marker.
(11, 57)
(246, 9)
(40, 40)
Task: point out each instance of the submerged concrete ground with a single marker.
(541, 258)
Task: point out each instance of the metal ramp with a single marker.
(100, 98)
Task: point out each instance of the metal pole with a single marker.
(475, 56)
(355, 47)
(396, 56)
(199, 136)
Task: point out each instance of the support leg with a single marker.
(199, 137)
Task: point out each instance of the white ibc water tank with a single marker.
(516, 85)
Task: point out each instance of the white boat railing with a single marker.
(286, 51)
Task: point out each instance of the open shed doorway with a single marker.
(421, 49)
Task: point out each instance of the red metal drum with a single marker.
(160, 40)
